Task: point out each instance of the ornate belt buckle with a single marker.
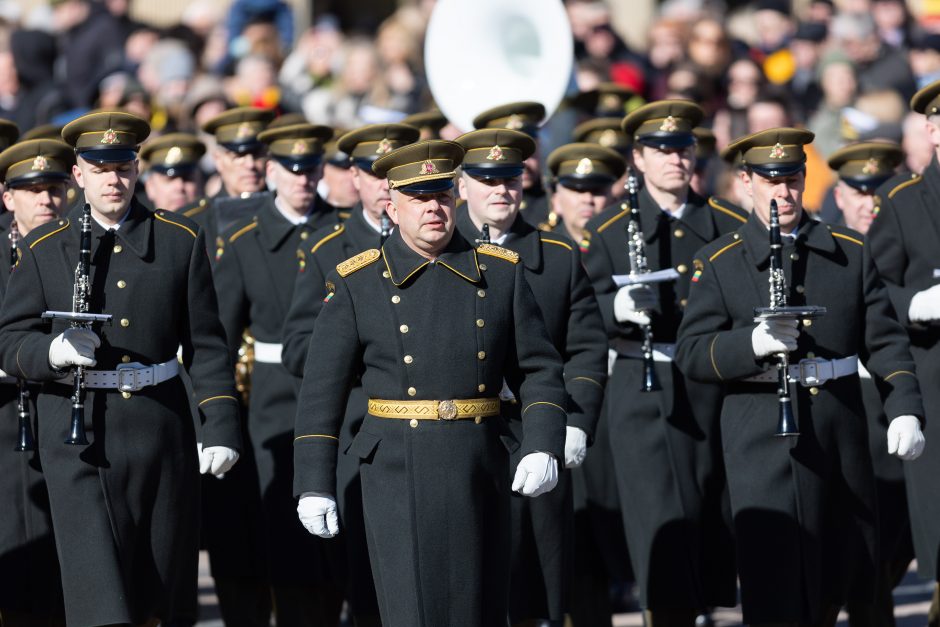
(447, 410)
(128, 380)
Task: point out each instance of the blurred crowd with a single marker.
(844, 69)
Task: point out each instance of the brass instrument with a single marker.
(779, 310)
(639, 266)
(24, 441)
(80, 317)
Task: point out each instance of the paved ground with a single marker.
(912, 599)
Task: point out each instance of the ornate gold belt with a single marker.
(457, 409)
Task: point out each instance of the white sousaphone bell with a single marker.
(486, 53)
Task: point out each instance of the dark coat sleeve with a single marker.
(538, 366)
(585, 352)
(709, 349)
(327, 377)
(233, 301)
(600, 270)
(206, 357)
(887, 352)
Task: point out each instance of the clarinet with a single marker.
(24, 441)
(386, 229)
(636, 250)
(484, 235)
(80, 317)
(786, 424)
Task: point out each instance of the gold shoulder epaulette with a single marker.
(339, 228)
(199, 208)
(900, 186)
(498, 251)
(715, 203)
(171, 218)
(845, 236)
(358, 262)
(624, 210)
(63, 224)
(726, 248)
(242, 231)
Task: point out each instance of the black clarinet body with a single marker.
(636, 249)
(386, 227)
(25, 441)
(80, 304)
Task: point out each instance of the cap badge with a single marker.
(611, 102)
(384, 147)
(871, 166)
(299, 147)
(496, 154)
(584, 166)
(777, 152)
(608, 138)
(514, 122)
(109, 137)
(174, 155)
(669, 125)
(40, 163)
(244, 130)
(428, 168)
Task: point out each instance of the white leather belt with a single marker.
(634, 350)
(267, 353)
(130, 377)
(811, 372)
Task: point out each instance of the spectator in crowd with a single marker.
(878, 65)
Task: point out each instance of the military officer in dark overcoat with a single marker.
(803, 506)
(133, 491)
(254, 279)
(608, 133)
(240, 159)
(172, 178)
(904, 239)
(35, 177)
(434, 325)
(665, 447)
(862, 168)
(317, 257)
(525, 117)
(491, 185)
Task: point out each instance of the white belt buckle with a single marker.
(128, 378)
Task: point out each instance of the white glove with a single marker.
(575, 447)
(73, 347)
(905, 439)
(536, 474)
(632, 303)
(216, 460)
(317, 512)
(774, 336)
(925, 305)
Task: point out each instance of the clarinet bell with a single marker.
(25, 442)
(786, 425)
(77, 429)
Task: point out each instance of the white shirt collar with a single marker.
(111, 227)
(290, 217)
(375, 227)
(677, 214)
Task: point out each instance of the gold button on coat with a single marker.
(126, 394)
(807, 322)
(304, 235)
(126, 359)
(794, 256)
(122, 284)
(118, 248)
(409, 359)
(800, 289)
(385, 274)
(396, 299)
(481, 387)
(480, 322)
(125, 322)
(481, 355)
(814, 391)
(403, 328)
(679, 233)
(412, 392)
(481, 293)
(482, 266)
(682, 268)
(413, 424)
